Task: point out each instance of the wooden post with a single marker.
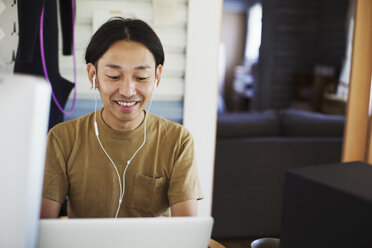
(369, 142)
(357, 137)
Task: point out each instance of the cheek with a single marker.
(107, 89)
(105, 94)
(149, 93)
(145, 90)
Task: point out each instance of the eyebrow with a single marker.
(141, 67)
(112, 66)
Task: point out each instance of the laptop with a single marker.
(180, 232)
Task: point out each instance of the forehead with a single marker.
(127, 54)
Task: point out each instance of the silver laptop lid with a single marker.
(180, 232)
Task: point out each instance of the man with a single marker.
(121, 161)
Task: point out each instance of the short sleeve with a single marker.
(55, 185)
(184, 182)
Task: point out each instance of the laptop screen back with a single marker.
(180, 232)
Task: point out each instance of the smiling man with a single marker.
(121, 160)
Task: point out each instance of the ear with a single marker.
(91, 69)
(159, 69)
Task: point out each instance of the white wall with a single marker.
(201, 88)
(8, 38)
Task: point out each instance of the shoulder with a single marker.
(169, 128)
(66, 135)
(72, 127)
(171, 135)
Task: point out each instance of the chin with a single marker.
(129, 116)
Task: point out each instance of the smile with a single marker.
(126, 104)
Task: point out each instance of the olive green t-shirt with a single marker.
(161, 174)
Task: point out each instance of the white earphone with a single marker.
(94, 82)
(156, 84)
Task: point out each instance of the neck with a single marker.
(119, 125)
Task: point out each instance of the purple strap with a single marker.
(74, 60)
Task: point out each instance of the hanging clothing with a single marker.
(28, 59)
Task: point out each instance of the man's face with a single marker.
(126, 77)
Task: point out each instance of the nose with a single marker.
(127, 88)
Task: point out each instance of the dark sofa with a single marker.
(252, 152)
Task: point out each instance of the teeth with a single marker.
(126, 104)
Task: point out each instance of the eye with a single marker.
(113, 77)
(142, 79)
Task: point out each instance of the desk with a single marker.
(214, 244)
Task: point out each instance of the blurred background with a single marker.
(281, 54)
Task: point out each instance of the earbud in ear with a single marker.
(94, 82)
(156, 84)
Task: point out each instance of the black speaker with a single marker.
(328, 206)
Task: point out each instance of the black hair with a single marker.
(117, 29)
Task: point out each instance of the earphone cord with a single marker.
(122, 188)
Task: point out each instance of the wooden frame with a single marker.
(358, 135)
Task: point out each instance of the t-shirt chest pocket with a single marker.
(149, 195)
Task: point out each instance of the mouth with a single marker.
(126, 105)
